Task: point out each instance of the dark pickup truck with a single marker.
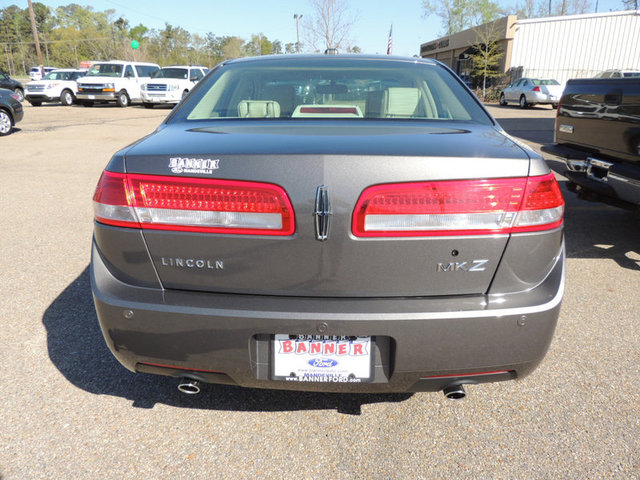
(597, 134)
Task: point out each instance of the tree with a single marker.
(487, 54)
(329, 25)
(258, 45)
(458, 15)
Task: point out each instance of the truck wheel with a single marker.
(148, 105)
(523, 101)
(122, 99)
(19, 93)
(35, 103)
(6, 123)
(66, 98)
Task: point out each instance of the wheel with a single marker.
(6, 123)
(87, 103)
(554, 105)
(66, 98)
(19, 93)
(503, 101)
(523, 101)
(148, 105)
(35, 103)
(122, 99)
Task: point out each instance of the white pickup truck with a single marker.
(114, 81)
(58, 85)
(171, 84)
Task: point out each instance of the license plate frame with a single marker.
(331, 359)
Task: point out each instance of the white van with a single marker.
(114, 81)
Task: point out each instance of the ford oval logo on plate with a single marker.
(323, 362)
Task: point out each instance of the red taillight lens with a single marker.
(459, 207)
(536, 89)
(193, 204)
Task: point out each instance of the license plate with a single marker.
(91, 97)
(319, 358)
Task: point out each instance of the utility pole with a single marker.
(297, 18)
(35, 36)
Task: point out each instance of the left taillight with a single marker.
(193, 204)
(459, 207)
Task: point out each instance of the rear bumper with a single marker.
(539, 97)
(422, 344)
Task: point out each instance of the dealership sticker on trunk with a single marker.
(321, 358)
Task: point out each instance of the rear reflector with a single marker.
(459, 207)
(193, 204)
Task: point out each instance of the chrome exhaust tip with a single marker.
(454, 392)
(189, 386)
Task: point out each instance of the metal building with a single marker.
(555, 47)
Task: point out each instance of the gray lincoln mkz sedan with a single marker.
(329, 223)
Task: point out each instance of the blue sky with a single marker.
(274, 18)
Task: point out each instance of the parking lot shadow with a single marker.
(532, 129)
(78, 350)
(596, 230)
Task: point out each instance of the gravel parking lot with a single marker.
(69, 410)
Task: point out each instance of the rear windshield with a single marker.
(321, 88)
(544, 82)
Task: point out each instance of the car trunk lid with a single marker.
(324, 173)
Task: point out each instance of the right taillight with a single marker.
(193, 204)
(459, 207)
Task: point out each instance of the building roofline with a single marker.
(583, 16)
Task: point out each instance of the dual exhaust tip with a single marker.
(189, 386)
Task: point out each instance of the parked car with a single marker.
(597, 135)
(57, 86)
(36, 74)
(169, 85)
(10, 84)
(528, 92)
(618, 74)
(380, 233)
(114, 81)
(11, 111)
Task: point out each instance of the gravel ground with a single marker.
(69, 410)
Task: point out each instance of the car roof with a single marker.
(301, 58)
(184, 66)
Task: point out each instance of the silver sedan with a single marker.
(529, 91)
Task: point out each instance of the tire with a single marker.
(122, 99)
(20, 93)
(523, 101)
(503, 101)
(66, 98)
(6, 123)
(147, 105)
(35, 103)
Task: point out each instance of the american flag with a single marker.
(390, 42)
